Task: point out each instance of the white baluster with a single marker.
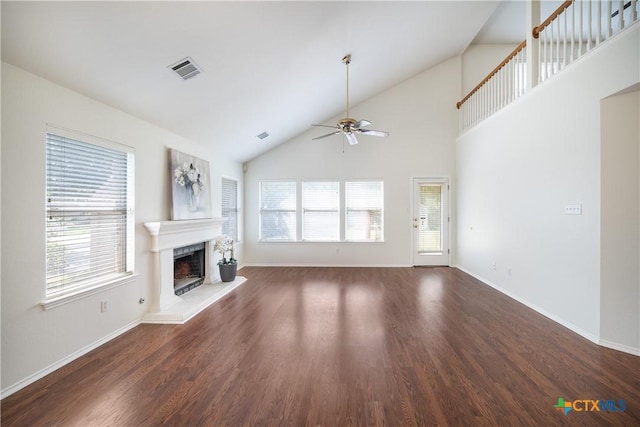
(573, 31)
(609, 18)
(621, 14)
(634, 10)
(541, 56)
(581, 29)
(589, 24)
(564, 40)
(598, 40)
(510, 81)
(558, 37)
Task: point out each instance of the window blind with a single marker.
(230, 208)
(277, 210)
(89, 207)
(321, 211)
(363, 209)
(430, 238)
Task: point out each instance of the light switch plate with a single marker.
(573, 209)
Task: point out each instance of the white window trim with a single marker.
(54, 301)
(238, 206)
(343, 212)
(63, 297)
(303, 210)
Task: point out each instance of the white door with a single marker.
(430, 223)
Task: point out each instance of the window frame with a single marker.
(304, 209)
(343, 212)
(74, 290)
(347, 210)
(235, 210)
(261, 211)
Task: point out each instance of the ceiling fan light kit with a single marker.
(348, 126)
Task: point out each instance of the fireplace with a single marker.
(191, 241)
(188, 267)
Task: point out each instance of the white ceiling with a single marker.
(268, 66)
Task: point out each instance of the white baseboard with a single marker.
(620, 347)
(64, 361)
(591, 337)
(328, 265)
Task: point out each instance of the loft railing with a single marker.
(572, 30)
(575, 28)
(501, 86)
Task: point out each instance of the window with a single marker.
(90, 217)
(363, 209)
(277, 210)
(230, 208)
(430, 211)
(321, 211)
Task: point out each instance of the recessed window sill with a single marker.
(65, 298)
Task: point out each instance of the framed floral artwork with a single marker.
(190, 187)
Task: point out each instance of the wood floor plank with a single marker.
(340, 347)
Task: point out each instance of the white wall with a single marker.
(620, 222)
(421, 117)
(34, 340)
(516, 172)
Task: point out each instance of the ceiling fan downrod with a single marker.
(347, 60)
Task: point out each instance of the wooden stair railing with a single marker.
(537, 29)
(493, 73)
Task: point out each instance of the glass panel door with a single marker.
(430, 222)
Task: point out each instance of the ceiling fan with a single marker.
(348, 126)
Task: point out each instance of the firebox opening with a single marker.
(188, 268)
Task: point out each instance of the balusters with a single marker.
(561, 40)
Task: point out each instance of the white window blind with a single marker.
(321, 211)
(431, 213)
(90, 218)
(363, 209)
(277, 210)
(230, 208)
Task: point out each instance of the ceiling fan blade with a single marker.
(325, 126)
(351, 138)
(374, 132)
(324, 136)
(362, 123)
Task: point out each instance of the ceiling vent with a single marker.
(186, 68)
(263, 135)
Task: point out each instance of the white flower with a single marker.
(188, 175)
(223, 244)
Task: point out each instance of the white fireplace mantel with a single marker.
(175, 234)
(165, 306)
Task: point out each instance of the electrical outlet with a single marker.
(493, 265)
(573, 209)
(104, 306)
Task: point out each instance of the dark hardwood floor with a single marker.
(340, 347)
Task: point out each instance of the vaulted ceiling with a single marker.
(267, 66)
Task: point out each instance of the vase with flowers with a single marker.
(228, 266)
(190, 177)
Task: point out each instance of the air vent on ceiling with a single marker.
(186, 68)
(263, 135)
